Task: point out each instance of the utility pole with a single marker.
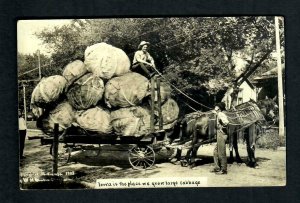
(39, 64)
(24, 101)
(279, 78)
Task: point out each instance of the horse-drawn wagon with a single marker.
(142, 148)
(188, 134)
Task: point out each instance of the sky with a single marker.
(28, 43)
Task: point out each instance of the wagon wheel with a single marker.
(64, 153)
(141, 157)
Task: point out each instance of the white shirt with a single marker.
(140, 55)
(221, 117)
(22, 124)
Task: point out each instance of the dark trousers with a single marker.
(220, 158)
(22, 141)
(142, 69)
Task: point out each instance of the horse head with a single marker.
(269, 108)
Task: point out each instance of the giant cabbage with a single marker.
(95, 119)
(127, 90)
(63, 114)
(132, 121)
(73, 71)
(48, 91)
(106, 61)
(86, 92)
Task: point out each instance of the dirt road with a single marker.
(114, 164)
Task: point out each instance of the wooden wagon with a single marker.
(142, 151)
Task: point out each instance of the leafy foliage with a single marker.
(28, 70)
(198, 55)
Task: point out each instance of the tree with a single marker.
(28, 65)
(27, 71)
(197, 55)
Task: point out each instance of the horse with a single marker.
(270, 109)
(198, 129)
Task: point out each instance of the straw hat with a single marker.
(142, 44)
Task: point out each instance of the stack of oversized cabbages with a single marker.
(100, 96)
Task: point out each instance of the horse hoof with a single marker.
(230, 161)
(173, 160)
(191, 166)
(239, 161)
(183, 163)
(256, 166)
(253, 165)
(176, 163)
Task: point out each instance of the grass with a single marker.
(270, 140)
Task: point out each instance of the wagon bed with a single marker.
(141, 150)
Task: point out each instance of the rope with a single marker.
(87, 80)
(190, 106)
(243, 127)
(184, 94)
(121, 90)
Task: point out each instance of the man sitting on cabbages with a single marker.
(143, 62)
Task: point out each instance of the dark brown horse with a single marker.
(200, 128)
(270, 110)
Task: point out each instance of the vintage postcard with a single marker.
(172, 102)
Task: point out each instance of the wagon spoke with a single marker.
(135, 155)
(138, 162)
(135, 160)
(135, 150)
(149, 153)
(147, 162)
(150, 157)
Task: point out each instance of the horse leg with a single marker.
(236, 149)
(250, 140)
(190, 156)
(246, 137)
(231, 159)
(186, 161)
(231, 136)
(177, 156)
(178, 153)
(193, 156)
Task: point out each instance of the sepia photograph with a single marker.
(169, 102)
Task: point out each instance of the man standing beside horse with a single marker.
(220, 159)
